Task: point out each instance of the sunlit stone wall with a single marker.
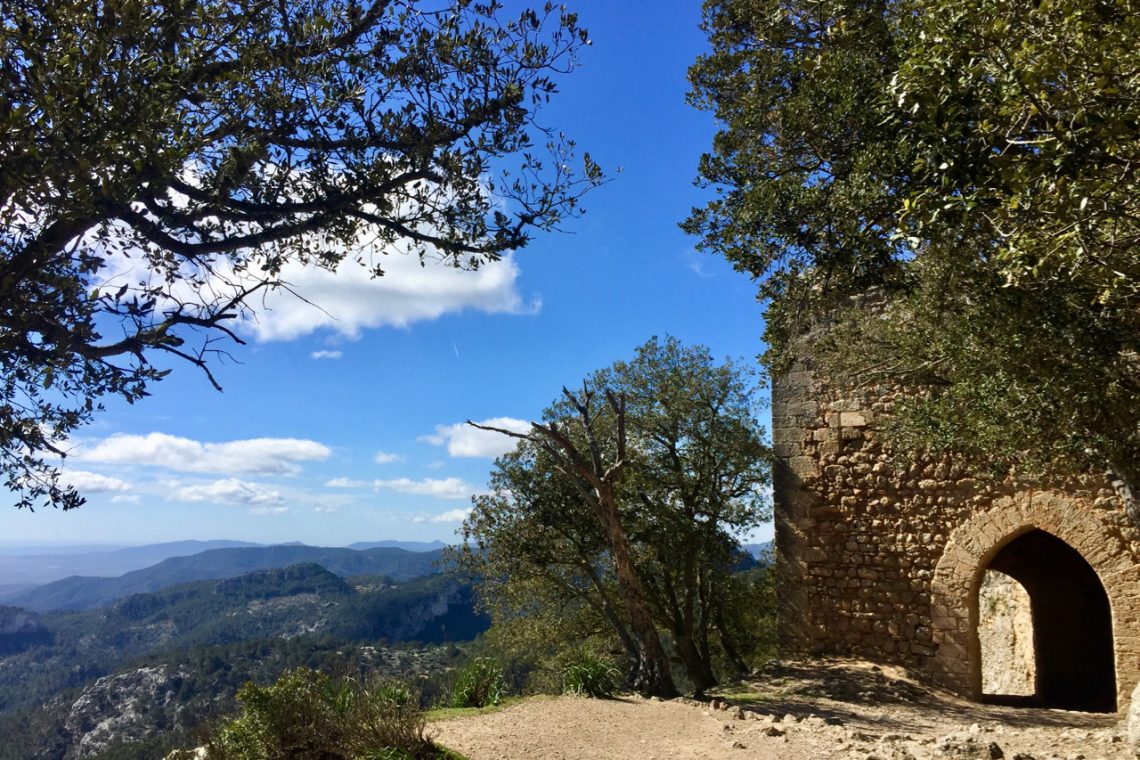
(880, 556)
(1005, 636)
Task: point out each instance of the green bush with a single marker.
(590, 675)
(479, 684)
(308, 715)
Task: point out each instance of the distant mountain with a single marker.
(33, 566)
(152, 665)
(14, 588)
(411, 546)
(764, 552)
(84, 593)
(24, 550)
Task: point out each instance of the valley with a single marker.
(90, 668)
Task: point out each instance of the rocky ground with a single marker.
(789, 712)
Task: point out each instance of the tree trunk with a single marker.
(603, 605)
(728, 645)
(697, 666)
(653, 677)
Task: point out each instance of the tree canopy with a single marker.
(162, 161)
(970, 168)
(628, 499)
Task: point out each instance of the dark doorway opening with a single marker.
(1072, 624)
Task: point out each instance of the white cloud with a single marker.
(93, 482)
(253, 456)
(326, 354)
(696, 261)
(125, 498)
(445, 488)
(463, 440)
(453, 515)
(383, 457)
(349, 299)
(232, 491)
(268, 511)
(326, 508)
(346, 483)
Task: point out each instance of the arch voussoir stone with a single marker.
(974, 542)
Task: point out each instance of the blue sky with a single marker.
(331, 431)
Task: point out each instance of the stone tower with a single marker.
(882, 558)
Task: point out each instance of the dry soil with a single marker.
(789, 712)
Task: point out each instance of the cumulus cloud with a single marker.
(326, 354)
(346, 483)
(232, 491)
(93, 482)
(453, 515)
(383, 457)
(443, 488)
(349, 299)
(261, 456)
(463, 440)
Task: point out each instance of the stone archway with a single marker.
(1071, 622)
(973, 546)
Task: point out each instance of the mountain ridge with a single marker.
(84, 592)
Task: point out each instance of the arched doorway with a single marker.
(1072, 622)
(973, 546)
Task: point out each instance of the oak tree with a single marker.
(629, 498)
(163, 160)
(968, 167)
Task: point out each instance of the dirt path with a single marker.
(796, 712)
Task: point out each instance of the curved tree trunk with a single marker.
(595, 478)
(728, 645)
(653, 677)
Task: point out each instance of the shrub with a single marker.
(307, 714)
(479, 684)
(590, 675)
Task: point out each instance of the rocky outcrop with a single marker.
(1005, 634)
(122, 708)
(1134, 722)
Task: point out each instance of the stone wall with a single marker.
(880, 555)
(1005, 636)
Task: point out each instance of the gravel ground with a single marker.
(799, 711)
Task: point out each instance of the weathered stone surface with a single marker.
(879, 554)
(1005, 633)
(1134, 721)
(120, 708)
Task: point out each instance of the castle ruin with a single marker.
(885, 560)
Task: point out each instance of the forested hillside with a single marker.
(147, 669)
